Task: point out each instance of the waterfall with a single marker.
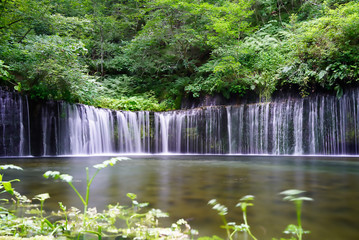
(73, 129)
(321, 124)
(14, 125)
(133, 131)
(229, 128)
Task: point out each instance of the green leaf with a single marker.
(57, 175)
(158, 213)
(132, 196)
(212, 201)
(291, 192)
(10, 166)
(110, 162)
(221, 209)
(302, 199)
(322, 74)
(8, 188)
(247, 198)
(66, 177)
(48, 223)
(63, 208)
(291, 229)
(42, 197)
(53, 174)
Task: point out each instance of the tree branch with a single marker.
(28, 31)
(1, 27)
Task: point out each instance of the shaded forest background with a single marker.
(150, 54)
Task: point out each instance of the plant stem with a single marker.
(226, 226)
(88, 184)
(41, 206)
(247, 226)
(82, 200)
(77, 192)
(299, 207)
(87, 195)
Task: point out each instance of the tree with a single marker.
(19, 18)
(50, 67)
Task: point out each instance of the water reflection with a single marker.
(182, 186)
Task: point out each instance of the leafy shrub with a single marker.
(134, 103)
(327, 50)
(50, 67)
(249, 65)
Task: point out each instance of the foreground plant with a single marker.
(138, 224)
(244, 203)
(231, 227)
(68, 178)
(293, 195)
(6, 186)
(133, 222)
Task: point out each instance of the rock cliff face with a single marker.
(321, 124)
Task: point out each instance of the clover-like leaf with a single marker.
(158, 213)
(292, 195)
(42, 197)
(241, 228)
(53, 174)
(245, 202)
(110, 162)
(247, 198)
(58, 175)
(10, 166)
(292, 192)
(291, 229)
(181, 222)
(212, 202)
(221, 209)
(66, 177)
(303, 199)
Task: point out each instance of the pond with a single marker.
(182, 185)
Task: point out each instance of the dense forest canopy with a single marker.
(149, 54)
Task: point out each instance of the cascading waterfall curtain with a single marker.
(321, 124)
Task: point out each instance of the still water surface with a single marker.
(182, 185)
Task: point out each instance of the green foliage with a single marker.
(115, 222)
(227, 21)
(135, 103)
(117, 53)
(6, 186)
(293, 195)
(10, 166)
(73, 27)
(67, 178)
(250, 65)
(327, 50)
(49, 67)
(42, 197)
(22, 17)
(176, 39)
(4, 71)
(231, 227)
